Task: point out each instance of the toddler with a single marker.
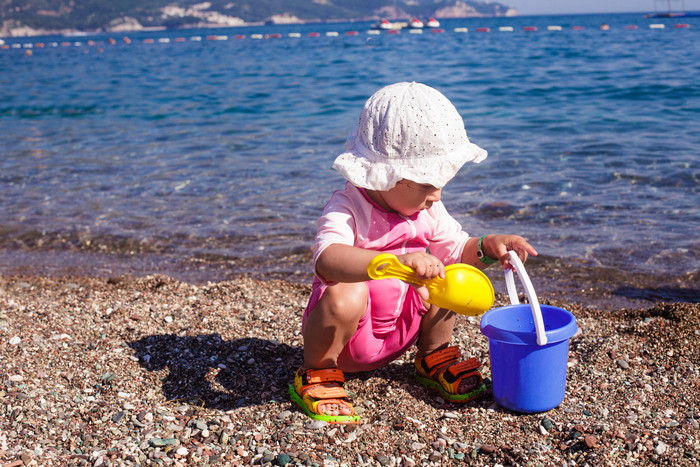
(409, 142)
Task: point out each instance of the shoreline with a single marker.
(577, 281)
(143, 370)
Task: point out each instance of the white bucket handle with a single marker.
(529, 290)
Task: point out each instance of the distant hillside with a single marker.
(29, 17)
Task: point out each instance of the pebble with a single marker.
(316, 425)
(162, 442)
(591, 441)
(660, 448)
(15, 340)
(383, 460)
(623, 364)
(488, 448)
(16, 378)
(283, 459)
(182, 451)
(201, 425)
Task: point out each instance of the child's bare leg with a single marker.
(435, 333)
(330, 326)
(436, 330)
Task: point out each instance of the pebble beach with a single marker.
(150, 370)
(159, 197)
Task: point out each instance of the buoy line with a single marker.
(4, 45)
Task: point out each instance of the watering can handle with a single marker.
(529, 290)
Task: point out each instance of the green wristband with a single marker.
(481, 255)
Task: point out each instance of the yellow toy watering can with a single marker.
(464, 290)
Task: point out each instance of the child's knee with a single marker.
(347, 301)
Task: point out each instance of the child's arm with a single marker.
(496, 247)
(345, 263)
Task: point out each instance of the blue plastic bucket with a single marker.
(528, 377)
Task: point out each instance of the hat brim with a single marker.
(363, 172)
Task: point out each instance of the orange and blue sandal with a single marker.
(455, 380)
(315, 387)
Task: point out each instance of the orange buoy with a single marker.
(127, 40)
(314, 34)
(681, 25)
(579, 28)
(483, 29)
(530, 28)
(351, 33)
(437, 30)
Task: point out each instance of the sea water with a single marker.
(210, 150)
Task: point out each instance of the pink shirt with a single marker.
(352, 218)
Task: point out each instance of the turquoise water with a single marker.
(214, 155)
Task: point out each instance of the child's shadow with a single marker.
(209, 371)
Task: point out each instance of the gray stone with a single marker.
(383, 460)
(660, 448)
(316, 425)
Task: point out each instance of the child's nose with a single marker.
(435, 195)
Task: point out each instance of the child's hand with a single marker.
(426, 266)
(498, 246)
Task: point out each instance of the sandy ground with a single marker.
(153, 371)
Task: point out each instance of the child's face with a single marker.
(407, 197)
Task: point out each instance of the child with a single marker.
(410, 141)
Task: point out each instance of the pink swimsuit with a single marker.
(394, 310)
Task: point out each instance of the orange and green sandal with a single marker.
(313, 387)
(443, 371)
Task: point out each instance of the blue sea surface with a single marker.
(195, 153)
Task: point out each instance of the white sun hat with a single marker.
(406, 131)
